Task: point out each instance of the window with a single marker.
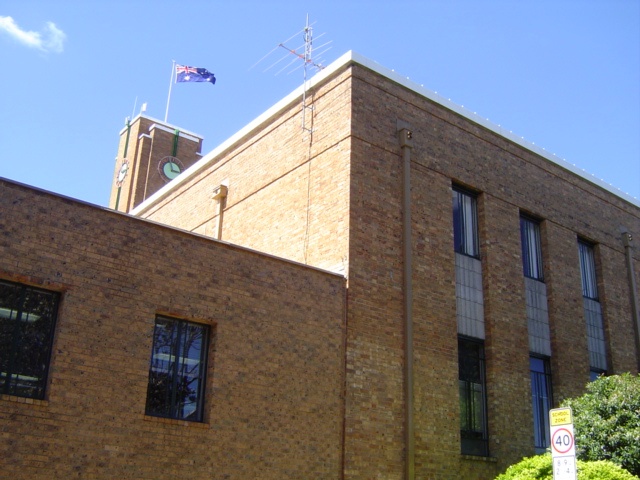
(27, 321)
(588, 270)
(596, 339)
(473, 412)
(531, 251)
(541, 400)
(177, 370)
(465, 223)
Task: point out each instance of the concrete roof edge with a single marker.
(509, 135)
(110, 211)
(263, 118)
(164, 124)
(353, 57)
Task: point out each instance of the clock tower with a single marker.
(151, 153)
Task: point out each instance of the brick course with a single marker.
(275, 376)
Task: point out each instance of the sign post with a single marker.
(563, 445)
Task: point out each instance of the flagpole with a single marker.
(173, 69)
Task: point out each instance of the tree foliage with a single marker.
(607, 421)
(540, 468)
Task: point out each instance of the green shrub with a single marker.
(607, 421)
(602, 470)
(530, 468)
(540, 468)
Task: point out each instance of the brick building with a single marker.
(392, 288)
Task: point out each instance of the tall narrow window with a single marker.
(541, 401)
(592, 310)
(27, 322)
(465, 223)
(538, 329)
(531, 251)
(588, 270)
(473, 411)
(177, 370)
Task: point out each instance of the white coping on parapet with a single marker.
(169, 130)
(164, 126)
(354, 57)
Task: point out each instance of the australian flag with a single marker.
(194, 74)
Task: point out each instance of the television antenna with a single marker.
(303, 52)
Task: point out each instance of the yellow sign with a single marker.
(560, 416)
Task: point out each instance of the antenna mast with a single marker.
(307, 61)
(308, 45)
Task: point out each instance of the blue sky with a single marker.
(564, 74)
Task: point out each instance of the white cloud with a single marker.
(51, 39)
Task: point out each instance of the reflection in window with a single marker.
(27, 321)
(177, 370)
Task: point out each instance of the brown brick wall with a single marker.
(334, 200)
(122, 194)
(288, 192)
(507, 344)
(570, 357)
(375, 398)
(510, 179)
(274, 393)
(435, 328)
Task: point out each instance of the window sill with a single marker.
(25, 400)
(478, 458)
(173, 421)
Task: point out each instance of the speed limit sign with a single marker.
(563, 446)
(562, 440)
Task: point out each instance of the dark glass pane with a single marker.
(27, 320)
(536, 364)
(470, 358)
(541, 401)
(465, 224)
(33, 350)
(588, 271)
(531, 250)
(8, 314)
(161, 370)
(473, 428)
(457, 223)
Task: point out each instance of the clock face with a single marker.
(170, 168)
(122, 173)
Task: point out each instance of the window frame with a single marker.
(542, 378)
(531, 247)
(588, 269)
(466, 239)
(595, 373)
(473, 441)
(162, 394)
(22, 331)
